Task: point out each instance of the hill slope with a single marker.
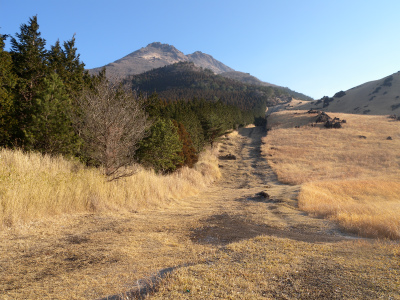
(184, 80)
(206, 61)
(245, 78)
(378, 97)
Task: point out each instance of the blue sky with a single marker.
(314, 47)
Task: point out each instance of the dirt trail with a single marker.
(241, 213)
(230, 210)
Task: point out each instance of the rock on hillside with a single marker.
(379, 97)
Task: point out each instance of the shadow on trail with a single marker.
(223, 229)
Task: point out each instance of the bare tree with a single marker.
(112, 121)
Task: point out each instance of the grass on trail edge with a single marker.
(35, 186)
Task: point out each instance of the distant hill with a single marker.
(185, 80)
(379, 97)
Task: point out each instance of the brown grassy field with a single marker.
(272, 268)
(226, 242)
(350, 175)
(34, 186)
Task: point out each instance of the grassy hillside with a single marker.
(350, 175)
(378, 97)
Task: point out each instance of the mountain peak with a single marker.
(154, 44)
(157, 55)
(164, 47)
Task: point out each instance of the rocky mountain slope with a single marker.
(206, 61)
(157, 55)
(378, 97)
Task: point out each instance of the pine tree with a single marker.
(30, 65)
(213, 126)
(52, 128)
(8, 80)
(161, 149)
(65, 62)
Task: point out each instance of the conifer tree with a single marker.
(213, 127)
(30, 65)
(65, 62)
(52, 128)
(161, 149)
(8, 80)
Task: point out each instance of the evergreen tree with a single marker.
(52, 128)
(30, 64)
(56, 59)
(76, 76)
(213, 127)
(161, 149)
(187, 114)
(8, 80)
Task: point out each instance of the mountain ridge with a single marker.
(156, 55)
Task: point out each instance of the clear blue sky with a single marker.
(317, 47)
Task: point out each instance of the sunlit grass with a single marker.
(367, 207)
(34, 186)
(350, 175)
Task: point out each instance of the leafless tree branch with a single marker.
(112, 121)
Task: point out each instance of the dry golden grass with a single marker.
(223, 243)
(275, 268)
(33, 186)
(351, 175)
(369, 207)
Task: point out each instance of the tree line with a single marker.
(49, 103)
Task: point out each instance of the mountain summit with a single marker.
(157, 55)
(154, 55)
